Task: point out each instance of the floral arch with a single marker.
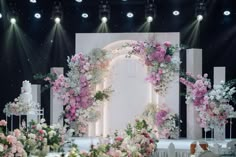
(80, 91)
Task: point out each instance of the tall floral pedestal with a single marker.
(219, 132)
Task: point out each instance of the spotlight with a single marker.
(104, 11)
(13, 20)
(149, 19)
(200, 17)
(37, 15)
(33, 1)
(57, 13)
(176, 12)
(0, 15)
(84, 15)
(200, 10)
(57, 20)
(130, 15)
(104, 19)
(150, 11)
(79, 1)
(226, 12)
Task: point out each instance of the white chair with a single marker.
(171, 150)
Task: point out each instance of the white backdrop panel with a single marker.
(128, 94)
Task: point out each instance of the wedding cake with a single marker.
(24, 103)
(26, 92)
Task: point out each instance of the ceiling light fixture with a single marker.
(104, 11)
(37, 15)
(0, 15)
(150, 11)
(33, 1)
(79, 1)
(84, 15)
(57, 13)
(130, 15)
(176, 12)
(200, 10)
(13, 20)
(226, 12)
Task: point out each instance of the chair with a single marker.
(203, 144)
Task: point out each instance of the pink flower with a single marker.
(11, 139)
(17, 133)
(167, 44)
(3, 123)
(168, 58)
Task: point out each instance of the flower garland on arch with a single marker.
(76, 89)
(162, 61)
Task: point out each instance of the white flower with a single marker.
(33, 136)
(42, 120)
(38, 127)
(1, 148)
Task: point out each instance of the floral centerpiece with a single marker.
(10, 146)
(163, 121)
(138, 140)
(212, 104)
(39, 138)
(167, 124)
(162, 61)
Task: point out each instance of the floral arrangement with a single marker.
(76, 88)
(138, 140)
(39, 138)
(161, 60)
(10, 146)
(165, 123)
(212, 104)
(18, 107)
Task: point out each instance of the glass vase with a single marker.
(219, 132)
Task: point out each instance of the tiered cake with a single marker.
(24, 103)
(26, 93)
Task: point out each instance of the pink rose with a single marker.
(167, 44)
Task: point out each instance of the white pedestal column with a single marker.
(219, 75)
(92, 129)
(194, 66)
(36, 96)
(56, 105)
